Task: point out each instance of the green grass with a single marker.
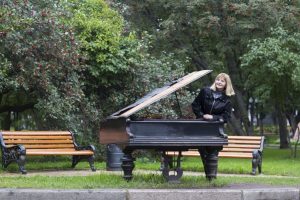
(145, 181)
(275, 162)
(99, 181)
(50, 163)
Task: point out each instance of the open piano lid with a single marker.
(158, 93)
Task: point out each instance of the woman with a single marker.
(213, 104)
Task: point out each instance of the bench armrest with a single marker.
(88, 147)
(20, 149)
(1, 140)
(222, 133)
(78, 147)
(262, 143)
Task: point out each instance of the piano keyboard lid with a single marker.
(159, 93)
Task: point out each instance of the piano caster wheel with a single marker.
(172, 178)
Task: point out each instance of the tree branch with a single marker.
(17, 108)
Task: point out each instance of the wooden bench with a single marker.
(16, 145)
(250, 147)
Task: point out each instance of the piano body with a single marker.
(161, 135)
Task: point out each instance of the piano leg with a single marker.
(209, 157)
(127, 164)
(203, 155)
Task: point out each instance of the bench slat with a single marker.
(37, 137)
(53, 150)
(43, 143)
(221, 154)
(236, 150)
(39, 152)
(253, 146)
(238, 147)
(184, 153)
(45, 146)
(235, 155)
(244, 137)
(39, 141)
(4, 133)
(244, 142)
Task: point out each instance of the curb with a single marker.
(149, 194)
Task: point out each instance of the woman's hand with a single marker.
(208, 117)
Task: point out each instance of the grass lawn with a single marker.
(275, 162)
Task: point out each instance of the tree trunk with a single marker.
(232, 62)
(232, 66)
(235, 125)
(283, 132)
(261, 124)
(292, 121)
(5, 125)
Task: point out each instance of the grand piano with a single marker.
(162, 135)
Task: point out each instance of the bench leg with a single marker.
(256, 162)
(260, 165)
(21, 163)
(5, 162)
(91, 161)
(77, 159)
(14, 155)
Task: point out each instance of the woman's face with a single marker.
(220, 83)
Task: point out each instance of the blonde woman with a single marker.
(213, 104)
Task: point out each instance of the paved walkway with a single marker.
(153, 194)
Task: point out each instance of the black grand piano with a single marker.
(163, 135)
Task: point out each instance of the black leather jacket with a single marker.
(205, 103)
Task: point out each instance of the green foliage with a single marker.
(70, 62)
(100, 31)
(41, 51)
(206, 30)
(41, 68)
(213, 35)
(120, 69)
(152, 72)
(273, 64)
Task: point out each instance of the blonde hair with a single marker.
(228, 88)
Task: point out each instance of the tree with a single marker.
(273, 65)
(103, 40)
(40, 68)
(119, 67)
(213, 34)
